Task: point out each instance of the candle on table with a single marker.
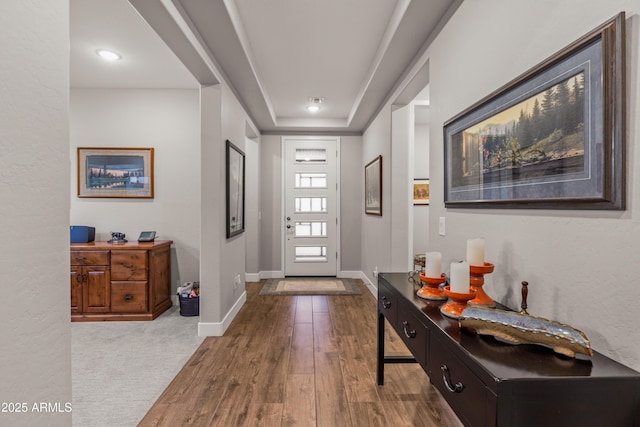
(475, 251)
(433, 268)
(459, 282)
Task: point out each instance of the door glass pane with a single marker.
(311, 155)
(311, 229)
(311, 204)
(311, 180)
(311, 253)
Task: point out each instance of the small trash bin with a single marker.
(189, 297)
(189, 306)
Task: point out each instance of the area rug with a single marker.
(310, 286)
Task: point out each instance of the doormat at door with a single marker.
(310, 286)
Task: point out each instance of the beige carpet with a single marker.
(310, 286)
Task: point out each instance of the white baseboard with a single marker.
(217, 329)
(271, 274)
(346, 274)
(373, 288)
(252, 277)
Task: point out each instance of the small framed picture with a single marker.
(421, 191)
(373, 187)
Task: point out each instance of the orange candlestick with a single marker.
(456, 302)
(431, 288)
(476, 279)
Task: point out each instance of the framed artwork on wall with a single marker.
(421, 191)
(373, 187)
(105, 172)
(235, 190)
(551, 138)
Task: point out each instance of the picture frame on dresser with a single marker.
(373, 187)
(552, 138)
(235, 183)
(110, 172)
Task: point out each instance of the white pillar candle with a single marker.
(475, 251)
(433, 268)
(459, 277)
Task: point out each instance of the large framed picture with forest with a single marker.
(552, 138)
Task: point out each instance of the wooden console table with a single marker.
(112, 281)
(489, 383)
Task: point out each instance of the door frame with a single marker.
(283, 161)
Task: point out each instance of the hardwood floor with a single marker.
(300, 361)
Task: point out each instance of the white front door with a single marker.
(311, 206)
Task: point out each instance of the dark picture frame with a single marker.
(552, 138)
(235, 184)
(110, 172)
(373, 187)
(421, 191)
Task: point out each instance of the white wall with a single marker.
(581, 266)
(168, 121)
(35, 360)
(400, 171)
(421, 171)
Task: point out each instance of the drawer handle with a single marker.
(79, 258)
(128, 297)
(386, 304)
(446, 376)
(127, 265)
(409, 334)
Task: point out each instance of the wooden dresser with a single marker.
(129, 281)
(489, 383)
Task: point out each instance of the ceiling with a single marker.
(275, 55)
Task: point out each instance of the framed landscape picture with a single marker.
(373, 187)
(551, 138)
(115, 172)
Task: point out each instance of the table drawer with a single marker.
(414, 334)
(387, 302)
(129, 297)
(129, 265)
(89, 257)
(465, 392)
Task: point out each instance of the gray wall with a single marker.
(168, 121)
(578, 263)
(421, 170)
(35, 360)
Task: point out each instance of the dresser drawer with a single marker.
(128, 297)
(466, 393)
(387, 302)
(414, 334)
(89, 257)
(129, 265)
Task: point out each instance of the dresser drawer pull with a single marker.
(79, 258)
(446, 377)
(127, 265)
(409, 334)
(128, 297)
(386, 304)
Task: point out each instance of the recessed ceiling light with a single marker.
(314, 107)
(108, 55)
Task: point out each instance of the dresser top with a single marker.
(500, 360)
(120, 246)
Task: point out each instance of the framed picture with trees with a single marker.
(551, 138)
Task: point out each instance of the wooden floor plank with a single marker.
(300, 361)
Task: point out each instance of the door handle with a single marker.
(288, 218)
(288, 225)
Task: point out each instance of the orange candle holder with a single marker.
(431, 288)
(456, 302)
(476, 279)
